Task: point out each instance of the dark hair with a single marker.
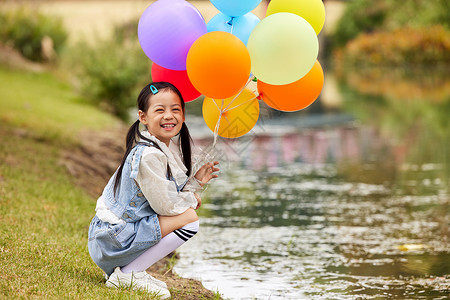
(143, 103)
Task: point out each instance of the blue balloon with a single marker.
(239, 26)
(235, 8)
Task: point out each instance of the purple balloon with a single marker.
(166, 31)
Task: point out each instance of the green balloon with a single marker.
(283, 48)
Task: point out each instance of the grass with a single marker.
(43, 225)
(46, 106)
(44, 218)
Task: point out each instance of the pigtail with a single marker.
(186, 140)
(130, 141)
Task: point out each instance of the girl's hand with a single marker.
(205, 173)
(199, 200)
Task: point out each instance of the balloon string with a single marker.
(216, 129)
(248, 81)
(209, 153)
(214, 101)
(227, 109)
(223, 110)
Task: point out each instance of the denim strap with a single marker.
(135, 169)
(136, 153)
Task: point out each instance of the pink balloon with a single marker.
(179, 79)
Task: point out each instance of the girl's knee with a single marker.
(191, 215)
(169, 224)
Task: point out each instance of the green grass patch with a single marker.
(46, 106)
(43, 223)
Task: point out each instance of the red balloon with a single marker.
(179, 79)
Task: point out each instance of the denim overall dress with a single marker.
(116, 245)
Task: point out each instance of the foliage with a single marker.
(398, 48)
(194, 108)
(126, 32)
(364, 16)
(111, 72)
(359, 16)
(25, 29)
(417, 13)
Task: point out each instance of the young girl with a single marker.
(146, 210)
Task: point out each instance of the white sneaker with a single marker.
(158, 282)
(138, 280)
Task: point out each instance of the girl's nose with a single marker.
(168, 115)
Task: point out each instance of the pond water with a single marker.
(344, 204)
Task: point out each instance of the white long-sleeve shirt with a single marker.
(160, 192)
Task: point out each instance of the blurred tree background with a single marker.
(393, 33)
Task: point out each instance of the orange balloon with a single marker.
(239, 115)
(294, 96)
(218, 64)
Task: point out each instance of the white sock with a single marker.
(165, 246)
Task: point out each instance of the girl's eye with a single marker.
(160, 110)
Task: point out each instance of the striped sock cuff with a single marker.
(184, 234)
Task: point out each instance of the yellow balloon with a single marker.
(235, 116)
(283, 48)
(313, 11)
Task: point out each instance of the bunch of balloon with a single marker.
(166, 31)
(283, 48)
(219, 66)
(220, 58)
(198, 59)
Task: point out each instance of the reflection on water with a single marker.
(357, 209)
(403, 84)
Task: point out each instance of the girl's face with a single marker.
(164, 116)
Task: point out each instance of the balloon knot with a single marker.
(231, 21)
(259, 97)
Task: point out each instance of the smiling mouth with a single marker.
(168, 126)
